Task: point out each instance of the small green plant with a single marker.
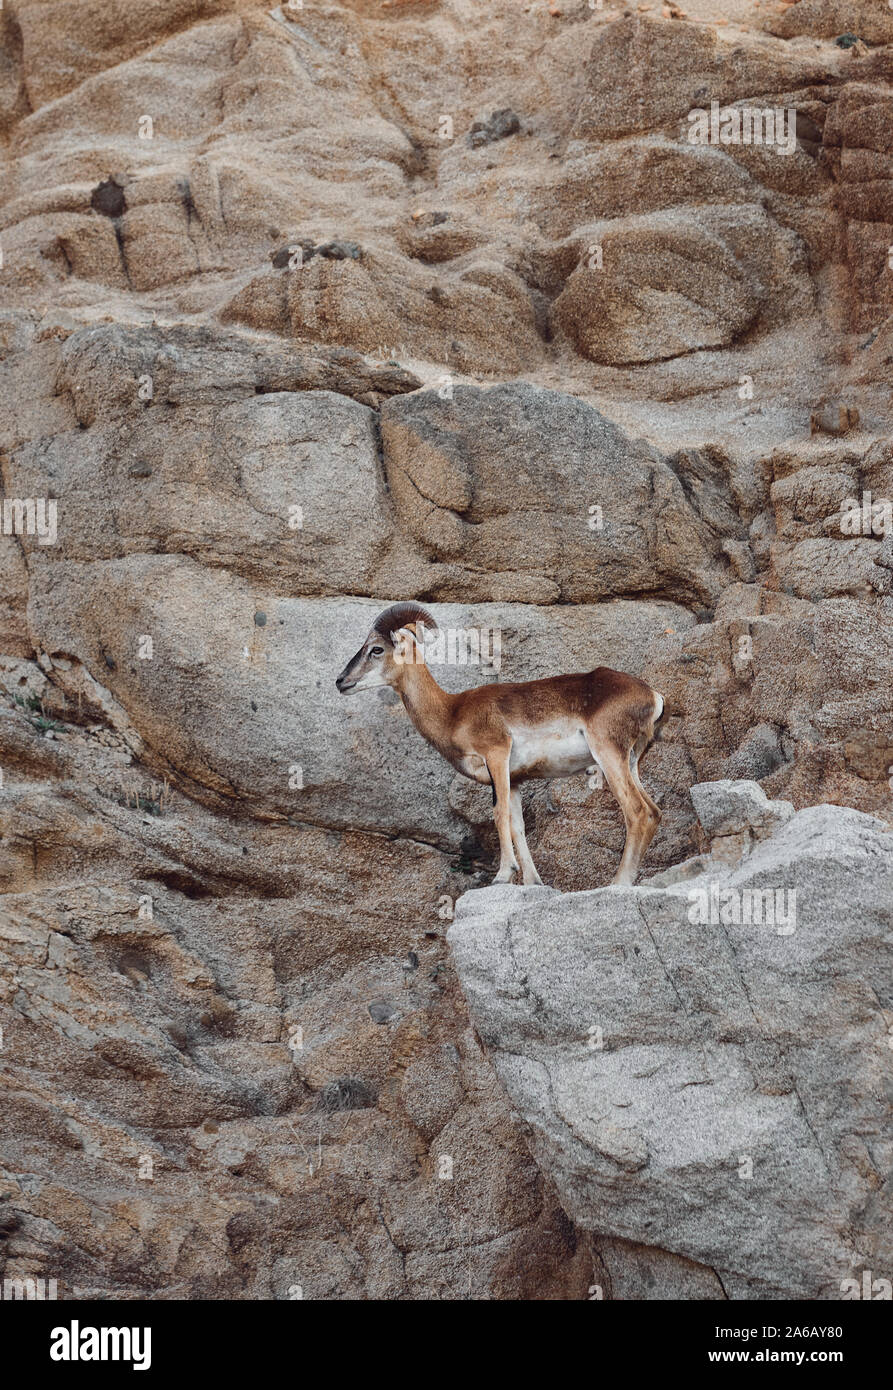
(31, 702)
(154, 803)
(41, 721)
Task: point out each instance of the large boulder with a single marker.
(829, 19)
(209, 444)
(550, 498)
(644, 74)
(656, 286)
(62, 47)
(632, 177)
(700, 1065)
(478, 318)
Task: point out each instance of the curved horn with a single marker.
(402, 615)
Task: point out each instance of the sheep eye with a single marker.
(376, 651)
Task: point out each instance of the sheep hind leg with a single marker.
(528, 868)
(640, 818)
(635, 754)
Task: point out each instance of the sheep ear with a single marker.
(407, 647)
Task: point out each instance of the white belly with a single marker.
(557, 750)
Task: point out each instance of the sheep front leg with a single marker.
(498, 767)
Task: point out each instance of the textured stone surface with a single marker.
(714, 1085)
(827, 19)
(727, 807)
(285, 340)
(589, 514)
(674, 282)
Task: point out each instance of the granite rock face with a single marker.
(308, 310)
(702, 1066)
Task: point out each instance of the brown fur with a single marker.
(605, 713)
(622, 704)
